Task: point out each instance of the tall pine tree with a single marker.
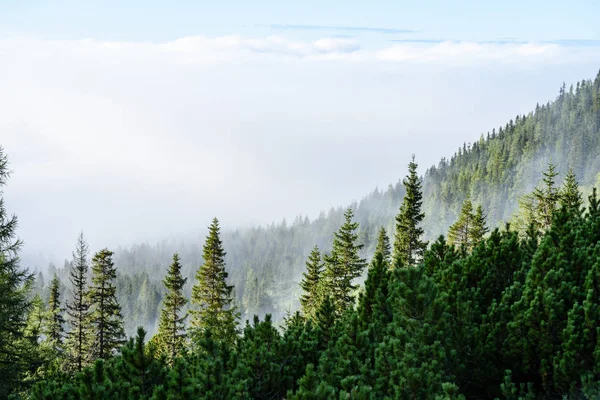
(459, 233)
(383, 245)
(171, 328)
(106, 318)
(55, 330)
(78, 309)
(14, 299)
(547, 198)
(212, 295)
(408, 246)
(312, 284)
(344, 264)
(570, 196)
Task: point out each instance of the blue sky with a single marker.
(142, 120)
(434, 20)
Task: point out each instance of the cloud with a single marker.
(575, 42)
(340, 28)
(476, 53)
(204, 50)
(136, 140)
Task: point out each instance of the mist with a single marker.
(134, 142)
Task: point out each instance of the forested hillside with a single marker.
(508, 314)
(265, 263)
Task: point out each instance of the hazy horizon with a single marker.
(133, 135)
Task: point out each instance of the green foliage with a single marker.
(312, 284)
(470, 227)
(54, 330)
(211, 294)
(171, 330)
(15, 284)
(408, 244)
(78, 310)
(105, 317)
(344, 265)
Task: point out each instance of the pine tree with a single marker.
(408, 246)
(312, 284)
(14, 299)
(547, 198)
(171, 329)
(459, 233)
(344, 265)
(570, 196)
(480, 228)
(105, 318)
(470, 227)
(212, 295)
(55, 330)
(383, 245)
(78, 309)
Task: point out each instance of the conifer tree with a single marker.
(171, 329)
(547, 198)
(344, 264)
(383, 245)
(211, 294)
(78, 309)
(408, 246)
(14, 299)
(480, 228)
(570, 196)
(312, 284)
(459, 233)
(470, 227)
(55, 330)
(105, 318)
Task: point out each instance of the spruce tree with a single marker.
(55, 330)
(480, 228)
(570, 196)
(470, 228)
(547, 198)
(105, 318)
(408, 246)
(171, 328)
(212, 295)
(459, 233)
(78, 309)
(312, 284)
(344, 265)
(383, 245)
(14, 296)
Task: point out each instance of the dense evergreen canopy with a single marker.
(512, 313)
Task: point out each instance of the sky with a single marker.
(141, 120)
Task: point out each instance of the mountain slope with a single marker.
(265, 263)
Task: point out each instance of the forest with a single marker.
(478, 280)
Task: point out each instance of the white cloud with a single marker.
(136, 140)
(234, 48)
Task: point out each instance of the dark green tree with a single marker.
(171, 328)
(546, 198)
(54, 328)
(408, 244)
(383, 245)
(570, 195)
(105, 318)
(344, 264)
(211, 294)
(311, 284)
(15, 283)
(78, 310)
(480, 228)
